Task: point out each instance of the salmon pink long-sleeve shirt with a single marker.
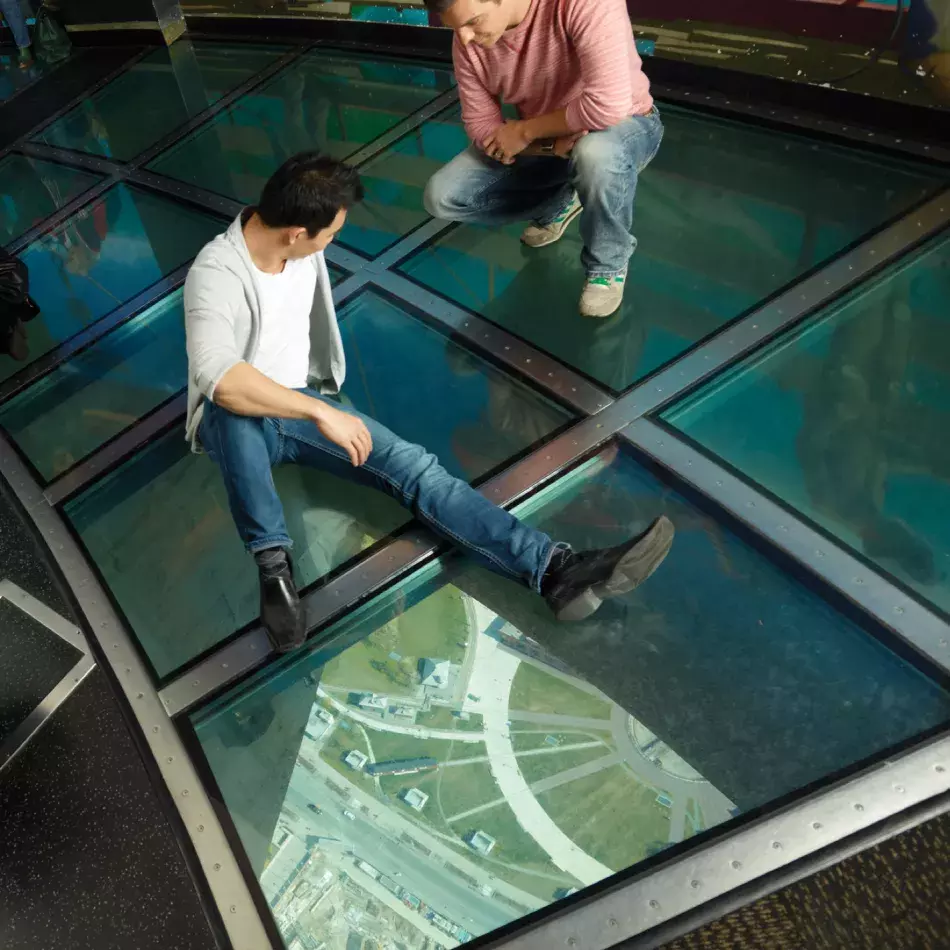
(578, 55)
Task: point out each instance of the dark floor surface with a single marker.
(894, 896)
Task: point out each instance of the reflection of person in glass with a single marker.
(587, 128)
(862, 426)
(16, 307)
(261, 331)
(13, 14)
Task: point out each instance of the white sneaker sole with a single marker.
(552, 237)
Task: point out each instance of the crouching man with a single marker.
(587, 128)
(265, 361)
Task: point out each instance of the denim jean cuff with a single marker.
(546, 559)
(274, 541)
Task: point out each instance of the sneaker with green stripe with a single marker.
(539, 235)
(603, 295)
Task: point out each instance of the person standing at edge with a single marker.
(588, 127)
(261, 331)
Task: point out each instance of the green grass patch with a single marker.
(513, 844)
(440, 717)
(388, 746)
(610, 815)
(537, 691)
(527, 741)
(534, 768)
(462, 787)
(339, 743)
(436, 627)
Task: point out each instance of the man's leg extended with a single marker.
(573, 584)
(605, 167)
(245, 449)
(478, 190)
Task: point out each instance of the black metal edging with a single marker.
(776, 881)
(195, 811)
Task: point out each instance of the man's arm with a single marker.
(246, 391)
(481, 113)
(601, 33)
(223, 377)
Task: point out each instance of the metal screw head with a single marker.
(695, 885)
(655, 904)
(611, 922)
(858, 806)
(233, 908)
(217, 867)
(939, 768)
(816, 825)
(777, 845)
(736, 865)
(572, 941)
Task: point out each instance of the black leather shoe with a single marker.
(281, 613)
(577, 584)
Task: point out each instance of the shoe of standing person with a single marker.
(282, 615)
(25, 58)
(540, 235)
(576, 584)
(603, 296)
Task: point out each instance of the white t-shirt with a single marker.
(283, 350)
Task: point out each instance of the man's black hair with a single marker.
(308, 191)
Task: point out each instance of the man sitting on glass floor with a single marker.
(265, 362)
(587, 128)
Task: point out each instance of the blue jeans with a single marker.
(246, 449)
(603, 169)
(13, 14)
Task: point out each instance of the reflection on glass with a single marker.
(175, 82)
(725, 215)
(103, 256)
(324, 103)
(80, 405)
(31, 190)
(407, 12)
(395, 182)
(160, 531)
(458, 759)
(847, 420)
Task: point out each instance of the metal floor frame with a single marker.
(679, 882)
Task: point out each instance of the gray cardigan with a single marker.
(223, 322)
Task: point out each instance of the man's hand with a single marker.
(507, 141)
(346, 431)
(565, 144)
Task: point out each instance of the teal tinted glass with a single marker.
(846, 419)
(31, 190)
(104, 389)
(160, 531)
(725, 215)
(176, 83)
(324, 103)
(460, 759)
(103, 256)
(394, 183)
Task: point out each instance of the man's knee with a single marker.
(448, 194)
(599, 155)
(440, 196)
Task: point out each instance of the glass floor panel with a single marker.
(324, 103)
(31, 190)
(104, 389)
(394, 183)
(726, 215)
(453, 755)
(846, 419)
(103, 256)
(177, 83)
(160, 532)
